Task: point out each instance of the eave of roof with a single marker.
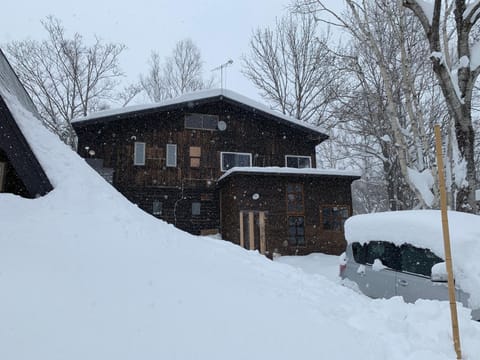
(284, 171)
(198, 98)
(15, 145)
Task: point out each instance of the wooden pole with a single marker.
(251, 230)
(242, 236)
(446, 243)
(261, 223)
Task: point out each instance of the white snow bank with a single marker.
(84, 275)
(423, 228)
(316, 263)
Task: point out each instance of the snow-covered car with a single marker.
(402, 254)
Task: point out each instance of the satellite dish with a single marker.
(222, 125)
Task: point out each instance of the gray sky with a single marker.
(220, 28)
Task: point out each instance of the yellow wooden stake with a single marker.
(242, 236)
(446, 243)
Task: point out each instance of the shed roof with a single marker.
(12, 141)
(201, 97)
(285, 171)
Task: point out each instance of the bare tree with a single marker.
(293, 68)
(179, 74)
(456, 63)
(394, 92)
(65, 77)
(128, 93)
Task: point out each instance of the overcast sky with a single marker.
(220, 28)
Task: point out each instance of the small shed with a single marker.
(20, 171)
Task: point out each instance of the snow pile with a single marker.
(316, 263)
(423, 228)
(84, 275)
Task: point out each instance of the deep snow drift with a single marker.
(85, 275)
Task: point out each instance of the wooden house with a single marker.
(217, 162)
(20, 171)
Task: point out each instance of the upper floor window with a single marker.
(171, 155)
(233, 159)
(139, 153)
(195, 154)
(201, 121)
(296, 161)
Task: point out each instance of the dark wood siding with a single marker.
(11, 181)
(25, 176)
(236, 195)
(246, 132)
(177, 206)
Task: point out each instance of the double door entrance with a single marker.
(252, 230)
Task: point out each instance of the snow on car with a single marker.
(393, 253)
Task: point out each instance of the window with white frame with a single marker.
(171, 155)
(297, 161)
(139, 153)
(229, 160)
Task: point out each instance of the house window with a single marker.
(234, 159)
(139, 153)
(157, 207)
(195, 153)
(295, 198)
(171, 155)
(300, 162)
(201, 121)
(296, 230)
(196, 208)
(333, 217)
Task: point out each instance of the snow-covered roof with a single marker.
(477, 195)
(423, 228)
(196, 96)
(11, 86)
(273, 170)
(14, 125)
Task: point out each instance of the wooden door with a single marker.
(252, 230)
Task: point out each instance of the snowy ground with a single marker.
(317, 264)
(85, 275)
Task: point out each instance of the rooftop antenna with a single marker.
(221, 67)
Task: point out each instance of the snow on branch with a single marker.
(423, 181)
